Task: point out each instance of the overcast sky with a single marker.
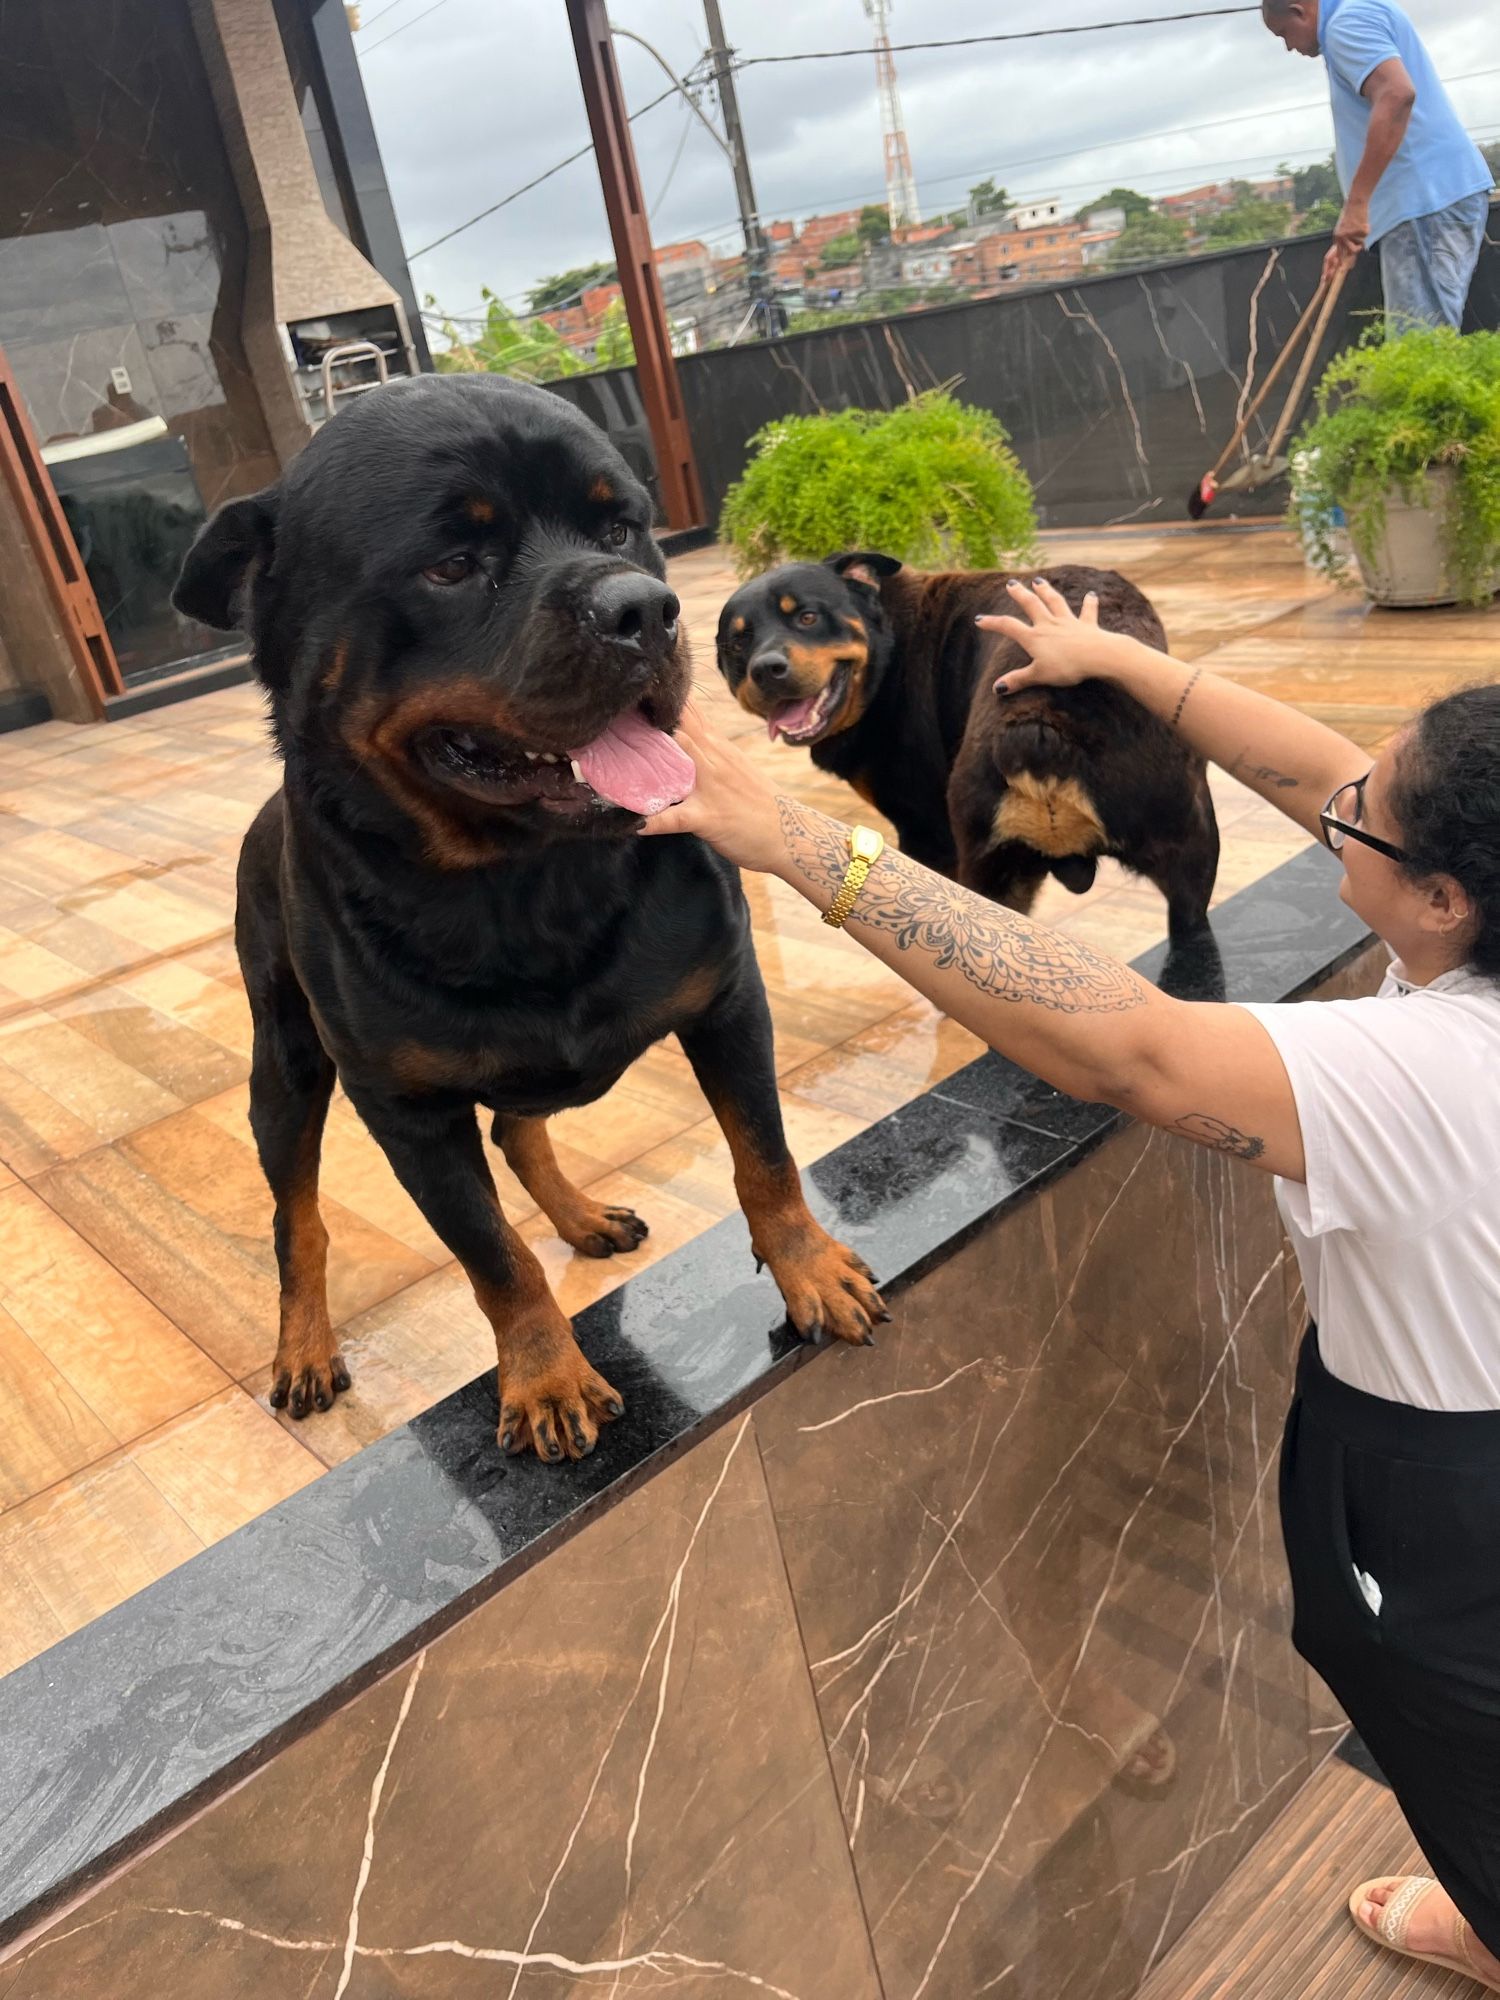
(474, 97)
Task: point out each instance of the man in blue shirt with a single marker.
(1414, 181)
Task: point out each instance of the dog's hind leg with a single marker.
(827, 1288)
(587, 1225)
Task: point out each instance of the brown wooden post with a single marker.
(681, 494)
(96, 670)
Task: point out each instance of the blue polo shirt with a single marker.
(1437, 163)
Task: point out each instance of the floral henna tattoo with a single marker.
(996, 950)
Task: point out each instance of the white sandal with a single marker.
(1391, 1926)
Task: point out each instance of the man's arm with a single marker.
(1392, 96)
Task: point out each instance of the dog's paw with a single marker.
(307, 1375)
(599, 1232)
(828, 1289)
(554, 1403)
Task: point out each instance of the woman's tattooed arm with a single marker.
(997, 950)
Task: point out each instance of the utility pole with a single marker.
(757, 274)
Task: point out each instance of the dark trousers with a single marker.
(1411, 1498)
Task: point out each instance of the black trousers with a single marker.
(1411, 1498)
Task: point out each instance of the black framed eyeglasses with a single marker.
(1340, 820)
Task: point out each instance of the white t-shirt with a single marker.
(1397, 1229)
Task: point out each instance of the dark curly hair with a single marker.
(1445, 794)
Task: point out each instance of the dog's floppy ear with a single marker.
(219, 567)
(863, 566)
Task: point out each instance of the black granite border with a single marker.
(116, 1734)
(23, 708)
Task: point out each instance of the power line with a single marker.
(516, 193)
(403, 27)
(380, 14)
(1016, 35)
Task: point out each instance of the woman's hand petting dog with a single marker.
(1064, 648)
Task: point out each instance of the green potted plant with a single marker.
(1406, 446)
(931, 482)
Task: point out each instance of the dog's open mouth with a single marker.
(806, 720)
(632, 765)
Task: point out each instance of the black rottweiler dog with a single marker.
(882, 673)
(474, 666)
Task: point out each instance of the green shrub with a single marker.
(1391, 409)
(932, 482)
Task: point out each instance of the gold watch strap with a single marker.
(865, 848)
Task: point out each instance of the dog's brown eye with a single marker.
(619, 534)
(807, 618)
(453, 569)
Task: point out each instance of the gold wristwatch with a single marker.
(865, 848)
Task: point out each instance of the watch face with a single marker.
(865, 844)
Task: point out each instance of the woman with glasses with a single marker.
(1380, 1119)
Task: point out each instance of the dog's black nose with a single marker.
(635, 610)
(770, 673)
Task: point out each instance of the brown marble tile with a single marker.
(610, 1779)
(1034, 1526)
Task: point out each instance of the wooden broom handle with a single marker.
(1284, 424)
(1294, 340)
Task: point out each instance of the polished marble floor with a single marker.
(137, 1285)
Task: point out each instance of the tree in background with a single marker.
(526, 350)
(616, 347)
(1136, 206)
(565, 287)
(874, 225)
(1310, 185)
(987, 199)
(1249, 219)
(1147, 239)
(843, 250)
(1322, 216)
(1491, 154)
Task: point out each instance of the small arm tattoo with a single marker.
(1193, 679)
(1219, 1137)
(1242, 767)
(996, 950)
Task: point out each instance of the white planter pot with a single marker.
(1406, 563)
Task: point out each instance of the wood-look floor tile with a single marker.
(183, 1210)
(694, 1166)
(60, 1092)
(78, 1550)
(47, 1430)
(114, 1348)
(224, 1463)
(884, 1067)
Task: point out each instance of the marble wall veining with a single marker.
(1118, 390)
(956, 1669)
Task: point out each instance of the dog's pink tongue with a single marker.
(791, 715)
(637, 766)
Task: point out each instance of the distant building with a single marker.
(1036, 214)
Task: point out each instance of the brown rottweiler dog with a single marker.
(474, 666)
(883, 674)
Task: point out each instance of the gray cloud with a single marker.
(484, 94)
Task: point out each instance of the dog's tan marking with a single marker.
(601, 492)
(480, 509)
(788, 605)
(1054, 815)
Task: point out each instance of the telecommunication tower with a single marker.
(900, 182)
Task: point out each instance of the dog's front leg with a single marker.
(550, 1397)
(827, 1288)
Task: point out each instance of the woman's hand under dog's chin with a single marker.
(1064, 648)
(731, 806)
